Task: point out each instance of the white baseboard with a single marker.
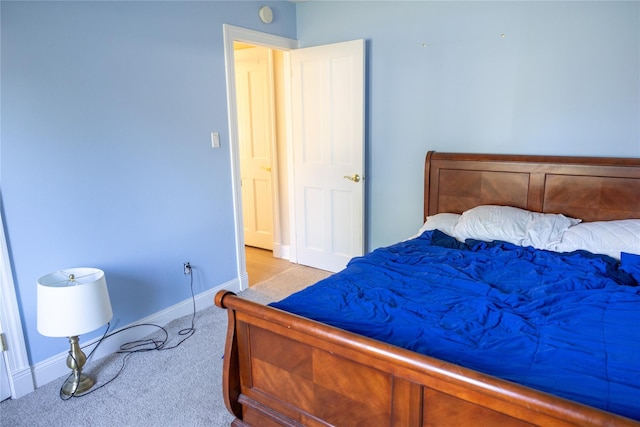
(56, 366)
(281, 251)
(22, 383)
(244, 279)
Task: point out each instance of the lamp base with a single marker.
(73, 387)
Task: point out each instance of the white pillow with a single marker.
(444, 222)
(546, 230)
(603, 237)
(514, 225)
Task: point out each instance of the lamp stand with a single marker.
(77, 383)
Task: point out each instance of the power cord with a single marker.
(138, 346)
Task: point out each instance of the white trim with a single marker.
(22, 382)
(291, 179)
(56, 366)
(282, 251)
(275, 180)
(232, 34)
(15, 358)
(245, 35)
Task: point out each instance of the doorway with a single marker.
(324, 92)
(261, 121)
(258, 144)
(242, 39)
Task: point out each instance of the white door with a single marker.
(5, 387)
(328, 142)
(254, 98)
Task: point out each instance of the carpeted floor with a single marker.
(177, 387)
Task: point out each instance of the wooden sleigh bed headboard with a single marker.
(590, 188)
(285, 370)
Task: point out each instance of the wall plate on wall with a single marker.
(266, 14)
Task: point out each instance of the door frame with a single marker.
(233, 34)
(21, 381)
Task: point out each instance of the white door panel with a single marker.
(254, 91)
(328, 137)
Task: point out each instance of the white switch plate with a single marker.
(215, 140)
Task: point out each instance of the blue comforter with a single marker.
(567, 324)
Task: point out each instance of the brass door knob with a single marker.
(354, 178)
(268, 169)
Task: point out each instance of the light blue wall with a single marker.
(564, 80)
(106, 158)
(107, 108)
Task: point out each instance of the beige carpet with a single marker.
(289, 281)
(178, 387)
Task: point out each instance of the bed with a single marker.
(285, 369)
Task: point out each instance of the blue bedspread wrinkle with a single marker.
(567, 324)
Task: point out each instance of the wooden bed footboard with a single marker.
(284, 370)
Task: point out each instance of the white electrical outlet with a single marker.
(215, 140)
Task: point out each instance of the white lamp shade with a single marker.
(72, 302)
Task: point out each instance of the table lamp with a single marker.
(72, 302)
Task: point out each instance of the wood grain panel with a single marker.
(282, 368)
(339, 410)
(592, 198)
(278, 383)
(256, 415)
(346, 387)
(324, 386)
(464, 189)
(444, 410)
(407, 403)
(280, 351)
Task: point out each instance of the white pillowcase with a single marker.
(546, 230)
(444, 222)
(514, 225)
(603, 237)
